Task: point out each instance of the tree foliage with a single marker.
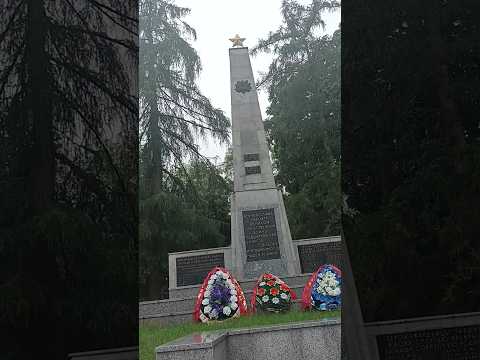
(183, 199)
(410, 158)
(172, 109)
(68, 179)
(177, 221)
(303, 124)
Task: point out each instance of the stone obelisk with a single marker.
(261, 240)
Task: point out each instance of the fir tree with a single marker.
(68, 111)
(173, 115)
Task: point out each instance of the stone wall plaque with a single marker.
(456, 343)
(191, 270)
(313, 255)
(252, 170)
(250, 157)
(261, 239)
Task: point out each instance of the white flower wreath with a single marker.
(208, 312)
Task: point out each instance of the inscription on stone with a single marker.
(252, 170)
(191, 270)
(458, 343)
(261, 240)
(250, 157)
(313, 255)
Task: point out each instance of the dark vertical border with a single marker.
(410, 158)
(69, 175)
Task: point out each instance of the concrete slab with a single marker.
(320, 340)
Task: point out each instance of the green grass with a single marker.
(151, 336)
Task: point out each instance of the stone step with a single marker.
(166, 306)
(320, 340)
(181, 317)
(165, 319)
(188, 291)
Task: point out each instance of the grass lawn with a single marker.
(151, 336)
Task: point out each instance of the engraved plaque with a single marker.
(252, 170)
(191, 270)
(457, 343)
(261, 240)
(313, 255)
(250, 157)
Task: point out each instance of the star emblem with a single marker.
(237, 40)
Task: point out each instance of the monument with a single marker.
(261, 239)
(261, 242)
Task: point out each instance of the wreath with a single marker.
(272, 294)
(220, 297)
(323, 289)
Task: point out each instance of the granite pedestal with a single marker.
(318, 340)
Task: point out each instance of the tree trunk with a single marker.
(155, 283)
(41, 266)
(451, 129)
(39, 109)
(156, 172)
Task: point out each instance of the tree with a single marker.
(227, 166)
(68, 128)
(177, 221)
(173, 114)
(410, 145)
(173, 111)
(303, 124)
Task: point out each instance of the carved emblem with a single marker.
(243, 86)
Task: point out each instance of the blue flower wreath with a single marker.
(320, 300)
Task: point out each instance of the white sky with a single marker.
(215, 21)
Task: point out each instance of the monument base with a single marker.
(187, 269)
(301, 341)
(194, 266)
(261, 239)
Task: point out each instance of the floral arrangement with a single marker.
(323, 289)
(272, 294)
(220, 297)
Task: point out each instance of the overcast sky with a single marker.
(215, 22)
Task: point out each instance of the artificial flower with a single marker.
(323, 290)
(271, 294)
(219, 297)
(227, 310)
